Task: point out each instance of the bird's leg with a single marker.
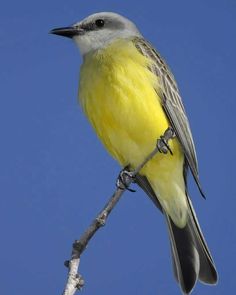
(161, 147)
(162, 142)
(124, 179)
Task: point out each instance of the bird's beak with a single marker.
(69, 32)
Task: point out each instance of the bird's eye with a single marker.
(99, 23)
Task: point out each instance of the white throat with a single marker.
(92, 41)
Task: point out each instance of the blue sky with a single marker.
(55, 175)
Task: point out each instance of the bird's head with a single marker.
(98, 30)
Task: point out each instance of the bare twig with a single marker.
(75, 281)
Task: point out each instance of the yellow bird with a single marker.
(130, 97)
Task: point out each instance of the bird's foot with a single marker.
(124, 179)
(162, 142)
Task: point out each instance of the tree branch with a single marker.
(74, 280)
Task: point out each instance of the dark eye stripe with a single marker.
(88, 26)
(92, 26)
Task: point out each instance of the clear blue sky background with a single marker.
(55, 174)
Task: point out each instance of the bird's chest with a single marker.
(119, 98)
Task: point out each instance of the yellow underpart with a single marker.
(117, 93)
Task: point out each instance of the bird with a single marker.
(130, 97)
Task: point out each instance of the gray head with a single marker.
(98, 30)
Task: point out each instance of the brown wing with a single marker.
(172, 105)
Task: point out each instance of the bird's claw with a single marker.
(124, 179)
(162, 142)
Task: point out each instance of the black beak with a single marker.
(69, 32)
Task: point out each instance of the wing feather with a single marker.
(172, 105)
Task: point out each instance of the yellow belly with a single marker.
(117, 93)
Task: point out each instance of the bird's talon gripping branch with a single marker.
(162, 142)
(124, 179)
(163, 146)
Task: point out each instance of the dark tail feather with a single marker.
(208, 273)
(191, 257)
